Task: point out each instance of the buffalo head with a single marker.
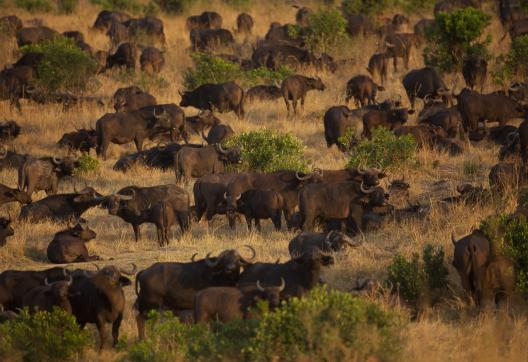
(5, 230)
(231, 155)
(271, 294)
(112, 276)
(316, 83)
(82, 232)
(338, 241)
(118, 201)
(227, 264)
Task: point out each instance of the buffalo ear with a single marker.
(411, 111)
(48, 293)
(9, 193)
(124, 281)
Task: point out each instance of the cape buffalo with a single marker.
(47, 297)
(391, 119)
(7, 195)
(496, 282)
(160, 157)
(333, 241)
(5, 230)
(244, 23)
(363, 89)
(124, 56)
(10, 24)
(295, 87)
(224, 97)
(261, 204)
(106, 18)
(202, 121)
(337, 120)
(423, 83)
(378, 65)
(206, 20)
(263, 93)
(218, 134)
(210, 39)
(148, 26)
(151, 60)
(118, 34)
(68, 246)
(27, 36)
(82, 139)
(400, 46)
(44, 173)
(131, 99)
(475, 71)
(209, 193)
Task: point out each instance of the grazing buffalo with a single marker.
(263, 93)
(82, 139)
(363, 89)
(206, 20)
(300, 274)
(131, 99)
(337, 120)
(390, 119)
(225, 304)
(471, 254)
(449, 119)
(5, 230)
(210, 39)
(15, 84)
(63, 207)
(378, 65)
(160, 157)
(10, 24)
(359, 25)
(148, 26)
(99, 299)
(151, 60)
(224, 97)
(218, 134)
(475, 71)
(447, 6)
(209, 194)
(14, 284)
(147, 122)
(68, 246)
(49, 296)
(124, 56)
(139, 205)
(477, 108)
(33, 35)
(428, 135)
(308, 242)
(45, 173)
(274, 56)
(106, 18)
(400, 46)
(295, 87)
(9, 130)
(260, 204)
(175, 285)
(197, 162)
(244, 23)
(7, 195)
(118, 34)
(423, 83)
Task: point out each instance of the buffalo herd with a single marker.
(344, 204)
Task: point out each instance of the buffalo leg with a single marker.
(287, 105)
(140, 321)
(277, 220)
(159, 232)
(294, 105)
(395, 63)
(137, 232)
(257, 225)
(115, 328)
(139, 144)
(102, 333)
(248, 221)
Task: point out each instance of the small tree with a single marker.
(367, 7)
(457, 34)
(327, 30)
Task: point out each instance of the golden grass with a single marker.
(434, 337)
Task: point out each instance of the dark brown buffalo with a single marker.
(223, 97)
(9, 130)
(244, 23)
(337, 120)
(152, 60)
(218, 134)
(203, 120)
(124, 56)
(82, 140)
(15, 84)
(428, 135)
(148, 26)
(139, 205)
(308, 242)
(296, 86)
(7, 195)
(106, 18)
(273, 56)
(160, 157)
(29, 59)
(300, 274)
(424, 83)
(471, 253)
(45, 173)
(27, 36)
(424, 27)
(378, 65)
(10, 24)
(391, 119)
(49, 296)
(133, 100)
(400, 46)
(5, 230)
(209, 194)
(62, 207)
(14, 284)
(519, 92)
(225, 304)
(370, 177)
(256, 205)
(517, 28)
(475, 71)
(169, 212)
(496, 283)
(449, 119)
(279, 34)
(359, 25)
(68, 246)
(175, 285)
(197, 162)
(210, 39)
(478, 108)
(302, 16)
(363, 89)
(11, 159)
(206, 20)
(99, 299)
(263, 93)
(118, 33)
(139, 125)
(447, 6)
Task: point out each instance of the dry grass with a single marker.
(434, 337)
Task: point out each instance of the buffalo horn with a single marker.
(328, 236)
(389, 45)
(46, 281)
(357, 243)
(193, 256)
(453, 239)
(132, 271)
(57, 160)
(361, 170)
(283, 285)
(158, 116)
(65, 272)
(365, 190)
(259, 287)
(69, 280)
(96, 266)
(220, 149)
(459, 189)
(211, 264)
(3, 152)
(302, 178)
(252, 251)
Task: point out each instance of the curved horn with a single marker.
(366, 191)
(211, 264)
(220, 149)
(453, 239)
(57, 160)
(327, 239)
(318, 171)
(69, 280)
(389, 45)
(358, 243)
(459, 189)
(253, 251)
(46, 283)
(132, 271)
(3, 152)
(303, 178)
(361, 170)
(193, 256)
(283, 285)
(126, 197)
(96, 266)
(259, 287)
(158, 116)
(64, 272)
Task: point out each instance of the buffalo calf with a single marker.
(68, 246)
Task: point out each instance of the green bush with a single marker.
(457, 35)
(512, 65)
(384, 149)
(119, 5)
(87, 163)
(210, 69)
(434, 267)
(35, 5)
(327, 30)
(67, 6)
(64, 66)
(367, 7)
(269, 150)
(43, 337)
(325, 325)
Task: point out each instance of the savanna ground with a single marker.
(451, 331)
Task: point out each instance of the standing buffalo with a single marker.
(224, 97)
(124, 56)
(261, 204)
(209, 194)
(337, 120)
(175, 285)
(210, 39)
(206, 20)
(400, 46)
(295, 87)
(132, 98)
(49, 296)
(244, 23)
(390, 119)
(106, 18)
(28, 36)
(263, 93)
(475, 71)
(149, 26)
(218, 134)
(151, 60)
(118, 33)
(363, 89)
(82, 139)
(44, 173)
(10, 24)
(378, 65)
(68, 246)
(423, 83)
(308, 242)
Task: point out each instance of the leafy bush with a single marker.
(173, 6)
(211, 69)
(35, 5)
(87, 163)
(269, 150)
(457, 35)
(120, 5)
(327, 30)
(43, 337)
(67, 6)
(367, 7)
(512, 65)
(384, 149)
(415, 279)
(325, 325)
(64, 65)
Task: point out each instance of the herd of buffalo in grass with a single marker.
(346, 204)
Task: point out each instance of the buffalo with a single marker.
(68, 246)
(210, 39)
(263, 93)
(308, 242)
(390, 119)
(203, 120)
(209, 194)
(124, 56)
(218, 134)
(9, 130)
(151, 60)
(295, 87)
(475, 71)
(363, 89)
(131, 99)
(106, 18)
(82, 140)
(8, 194)
(118, 33)
(260, 204)
(423, 83)
(10, 24)
(206, 20)
(5, 230)
(49, 296)
(378, 65)
(160, 157)
(244, 23)
(148, 26)
(28, 36)
(45, 173)
(400, 46)
(224, 97)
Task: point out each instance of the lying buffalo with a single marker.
(333, 241)
(68, 246)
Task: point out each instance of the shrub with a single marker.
(173, 6)
(210, 69)
(434, 267)
(367, 7)
(43, 336)
(513, 64)
(327, 30)
(67, 6)
(457, 35)
(35, 5)
(87, 163)
(269, 150)
(384, 149)
(64, 65)
(120, 5)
